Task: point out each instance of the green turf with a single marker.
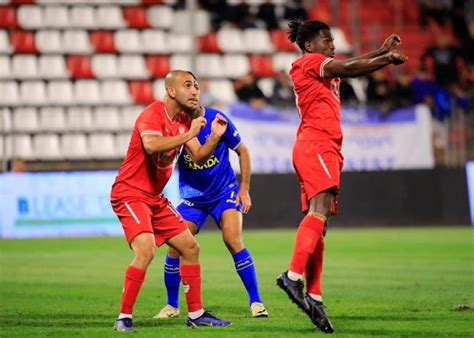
(398, 282)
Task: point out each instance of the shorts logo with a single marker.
(231, 198)
(190, 204)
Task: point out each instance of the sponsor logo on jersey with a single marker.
(211, 162)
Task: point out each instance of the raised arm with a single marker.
(245, 172)
(389, 44)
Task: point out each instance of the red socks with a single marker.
(134, 278)
(191, 278)
(314, 269)
(307, 237)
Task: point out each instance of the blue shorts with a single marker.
(197, 212)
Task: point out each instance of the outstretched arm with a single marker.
(389, 44)
(244, 162)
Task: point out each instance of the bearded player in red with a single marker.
(147, 217)
(317, 154)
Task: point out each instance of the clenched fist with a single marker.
(196, 125)
(396, 57)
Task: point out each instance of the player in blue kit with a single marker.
(212, 189)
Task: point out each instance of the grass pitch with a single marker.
(397, 282)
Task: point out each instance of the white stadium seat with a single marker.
(4, 42)
(25, 120)
(52, 119)
(102, 146)
(128, 116)
(104, 66)
(109, 17)
(257, 41)
(76, 42)
(30, 17)
(209, 65)
(86, 92)
(48, 41)
(5, 120)
(60, 92)
(231, 40)
(33, 92)
(79, 118)
(128, 41)
(235, 65)
(23, 147)
(154, 41)
(9, 93)
(52, 67)
(159, 89)
(180, 61)
(132, 67)
(5, 67)
(46, 146)
(106, 119)
(56, 17)
(115, 92)
(340, 41)
(82, 17)
(283, 61)
(25, 67)
(122, 141)
(266, 85)
(6, 147)
(180, 43)
(222, 90)
(74, 146)
(160, 16)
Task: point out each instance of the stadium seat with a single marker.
(136, 17)
(79, 67)
(182, 23)
(266, 85)
(5, 68)
(180, 43)
(5, 120)
(209, 65)
(222, 90)
(76, 42)
(154, 41)
(52, 67)
(261, 65)
(5, 47)
(74, 146)
(115, 92)
(105, 66)
(82, 17)
(231, 40)
(52, 119)
(8, 17)
(235, 65)
(87, 92)
(159, 89)
(103, 42)
(60, 92)
(79, 118)
(257, 41)
(33, 92)
(106, 119)
(283, 61)
(141, 92)
(25, 67)
(9, 93)
(340, 41)
(30, 17)
(179, 61)
(160, 16)
(49, 41)
(56, 17)
(46, 147)
(128, 41)
(132, 67)
(208, 43)
(128, 116)
(109, 17)
(279, 38)
(25, 120)
(6, 147)
(122, 141)
(101, 146)
(23, 42)
(158, 65)
(23, 147)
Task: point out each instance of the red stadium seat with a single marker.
(22, 2)
(80, 67)
(141, 91)
(280, 41)
(208, 43)
(151, 2)
(261, 65)
(8, 17)
(136, 17)
(158, 65)
(23, 42)
(103, 42)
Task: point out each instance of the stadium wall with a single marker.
(384, 198)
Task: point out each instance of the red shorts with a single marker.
(159, 218)
(318, 170)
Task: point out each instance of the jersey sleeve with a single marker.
(314, 65)
(148, 123)
(231, 136)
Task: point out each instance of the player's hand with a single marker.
(196, 125)
(396, 57)
(244, 197)
(390, 43)
(219, 126)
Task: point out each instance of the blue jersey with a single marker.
(211, 181)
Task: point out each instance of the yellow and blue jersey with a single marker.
(214, 179)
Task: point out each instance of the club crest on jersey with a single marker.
(181, 130)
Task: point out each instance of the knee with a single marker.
(233, 243)
(146, 253)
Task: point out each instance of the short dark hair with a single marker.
(302, 31)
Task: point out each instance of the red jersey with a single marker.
(144, 175)
(318, 101)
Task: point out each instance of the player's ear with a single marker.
(308, 47)
(171, 92)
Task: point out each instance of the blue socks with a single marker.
(172, 280)
(246, 270)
